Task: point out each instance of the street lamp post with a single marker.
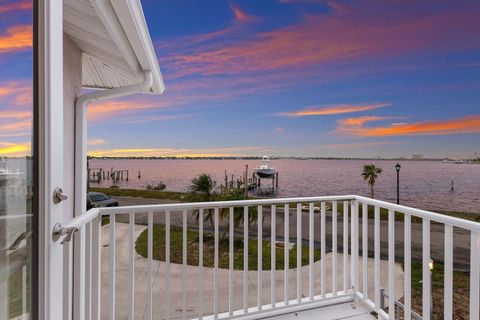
(397, 167)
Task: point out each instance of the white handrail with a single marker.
(437, 217)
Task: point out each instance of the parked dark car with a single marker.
(99, 200)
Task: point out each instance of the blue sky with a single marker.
(325, 78)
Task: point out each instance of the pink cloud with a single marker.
(353, 33)
(240, 15)
(15, 6)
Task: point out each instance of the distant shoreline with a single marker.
(259, 158)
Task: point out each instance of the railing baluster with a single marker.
(88, 270)
(310, 248)
(273, 284)
(345, 247)
(365, 250)
(408, 267)
(184, 265)
(230, 261)
(96, 266)
(448, 276)
(167, 264)
(426, 288)
(260, 257)
(200, 264)
(215, 265)
(334, 248)
(67, 282)
(245, 259)
(474, 275)
(112, 267)
(299, 252)
(149, 265)
(131, 266)
(354, 246)
(286, 253)
(377, 271)
(323, 274)
(391, 263)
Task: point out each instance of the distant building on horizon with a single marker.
(417, 156)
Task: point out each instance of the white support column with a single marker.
(50, 152)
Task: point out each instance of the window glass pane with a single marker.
(16, 162)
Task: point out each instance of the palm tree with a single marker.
(370, 173)
(204, 185)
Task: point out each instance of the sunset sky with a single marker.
(323, 78)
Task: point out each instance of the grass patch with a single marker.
(461, 287)
(151, 194)
(176, 247)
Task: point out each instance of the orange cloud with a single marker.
(16, 38)
(14, 149)
(358, 121)
(23, 5)
(332, 110)
(102, 111)
(467, 124)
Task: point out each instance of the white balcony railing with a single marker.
(320, 222)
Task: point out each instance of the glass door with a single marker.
(17, 174)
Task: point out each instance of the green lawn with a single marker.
(461, 287)
(176, 246)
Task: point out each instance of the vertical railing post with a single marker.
(474, 275)
(448, 273)
(391, 264)
(273, 261)
(426, 273)
(299, 252)
(112, 267)
(167, 265)
(345, 247)
(408, 267)
(365, 250)
(245, 259)
(96, 267)
(131, 266)
(354, 246)
(149, 313)
(200, 262)
(378, 297)
(215, 265)
(184, 264)
(334, 248)
(230, 260)
(323, 274)
(260, 257)
(311, 248)
(286, 253)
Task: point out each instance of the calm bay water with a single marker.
(423, 184)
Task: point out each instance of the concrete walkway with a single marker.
(194, 291)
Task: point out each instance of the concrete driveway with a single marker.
(194, 291)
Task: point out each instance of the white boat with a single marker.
(265, 170)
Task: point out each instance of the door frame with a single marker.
(50, 156)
